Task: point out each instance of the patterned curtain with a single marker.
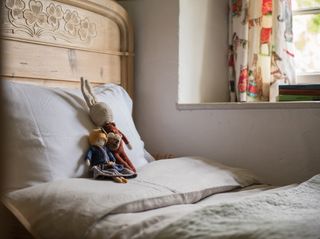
(260, 47)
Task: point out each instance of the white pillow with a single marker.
(121, 104)
(45, 209)
(48, 130)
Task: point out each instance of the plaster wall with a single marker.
(202, 56)
(281, 146)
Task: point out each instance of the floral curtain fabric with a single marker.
(260, 47)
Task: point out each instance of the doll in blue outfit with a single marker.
(101, 160)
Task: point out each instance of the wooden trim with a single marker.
(50, 81)
(18, 225)
(107, 52)
(307, 11)
(114, 11)
(105, 8)
(250, 106)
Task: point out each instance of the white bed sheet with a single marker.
(148, 223)
(85, 204)
(285, 213)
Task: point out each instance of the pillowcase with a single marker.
(48, 129)
(45, 209)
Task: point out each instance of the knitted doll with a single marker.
(115, 144)
(101, 115)
(102, 161)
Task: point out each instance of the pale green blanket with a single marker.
(292, 213)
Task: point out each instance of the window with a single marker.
(306, 30)
(202, 40)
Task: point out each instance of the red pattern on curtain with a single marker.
(260, 48)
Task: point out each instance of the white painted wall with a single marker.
(281, 146)
(202, 65)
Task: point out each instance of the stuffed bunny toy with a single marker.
(101, 115)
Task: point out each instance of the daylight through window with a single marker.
(306, 28)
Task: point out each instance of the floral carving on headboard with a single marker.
(34, 19)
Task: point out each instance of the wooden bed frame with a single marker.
(55, 42)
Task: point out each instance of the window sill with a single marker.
(249, 106)
(309, 78)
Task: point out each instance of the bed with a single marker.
(47, 46)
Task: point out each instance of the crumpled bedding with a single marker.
(291, 213)
(147, 224)
(75, 208)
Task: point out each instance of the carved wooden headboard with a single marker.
(55, 42)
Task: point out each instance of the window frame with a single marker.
(314, 77)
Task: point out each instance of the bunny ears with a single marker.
(100, 112)
(87, 92)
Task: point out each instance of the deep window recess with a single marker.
(192, 28)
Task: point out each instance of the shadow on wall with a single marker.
(213, 80)
(203, 47)
(272, 143)
(10, 227)
(3, 222)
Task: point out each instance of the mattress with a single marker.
(101, 208)
(203, 199)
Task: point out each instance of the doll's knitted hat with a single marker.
(95, 135)
(100, 112)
